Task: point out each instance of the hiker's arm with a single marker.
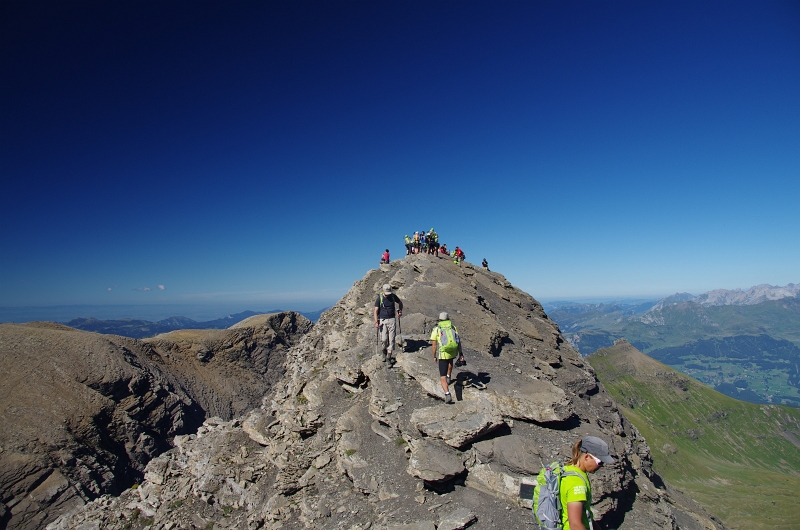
(575, 515)
(375, 314)
(400, 303)
(433, 349)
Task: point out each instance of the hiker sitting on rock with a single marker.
(385, 257)
(485, 264)
(384, 314)
(444, 337)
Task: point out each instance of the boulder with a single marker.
(459, 424)
(432, 461)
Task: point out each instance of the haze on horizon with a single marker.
(263, 154)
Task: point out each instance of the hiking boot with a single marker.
(448, 398)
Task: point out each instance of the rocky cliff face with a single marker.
(348, 442)
(82, 413)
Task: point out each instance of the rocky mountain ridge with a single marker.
(348, 442)
(84, 413)
(720, 297)
(140, 329)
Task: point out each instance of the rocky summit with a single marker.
(346, 441)
(83, 413)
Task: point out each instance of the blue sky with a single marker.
(263, 154)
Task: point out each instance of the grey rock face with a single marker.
(83, 413)
(347, 442)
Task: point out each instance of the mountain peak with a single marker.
(348, 441)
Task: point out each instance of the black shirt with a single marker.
(386, 305)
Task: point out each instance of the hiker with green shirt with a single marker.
(588, 455)
(445, 339)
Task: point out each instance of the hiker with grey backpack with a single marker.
(562, 496)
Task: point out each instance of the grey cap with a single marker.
(387, 289)
(444, 316)
(597, 447)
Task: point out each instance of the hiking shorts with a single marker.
(444, 364)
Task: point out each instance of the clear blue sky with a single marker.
(263, 154)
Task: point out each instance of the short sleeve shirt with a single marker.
(575, 489)
(385, 305)
(435, 331)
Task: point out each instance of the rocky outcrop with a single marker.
(348, 442)
(228, 372)
(84, 413)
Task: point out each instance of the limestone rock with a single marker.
(460, 519)
(433, 462)
(459, 424)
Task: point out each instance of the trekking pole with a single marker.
(400, 332)
(377, 334)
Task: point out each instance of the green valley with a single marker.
(740, 460)
(750, 352)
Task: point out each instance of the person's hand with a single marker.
(377, 325)
(399, 312)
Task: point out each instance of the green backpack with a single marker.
(448, 340)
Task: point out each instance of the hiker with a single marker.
(458, 256)
(444, 338)
(409, 244)
(575, 491)
(485, 264)
(443, 249)
(385, 257)
(384, 315)
(416, 242)
(423, 243)
(433, 243)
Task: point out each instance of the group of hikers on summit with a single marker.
(562, 495)
(428, 243)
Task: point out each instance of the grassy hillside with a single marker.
(740, 460)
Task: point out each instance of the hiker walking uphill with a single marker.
(568, 487)
(445, 339)
(384, 314)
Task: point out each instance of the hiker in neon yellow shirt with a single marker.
(447, 352)
(588, 455)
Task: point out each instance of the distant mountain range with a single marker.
(745, 344)
(139, 329)
(740, 460)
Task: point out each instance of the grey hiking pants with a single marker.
(388, 334)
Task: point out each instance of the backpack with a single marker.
(547, 496)
(448, 341)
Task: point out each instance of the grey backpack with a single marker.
(547, 496)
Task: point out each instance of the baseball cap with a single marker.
(387, 289)
(444, 316)
(596, 447)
